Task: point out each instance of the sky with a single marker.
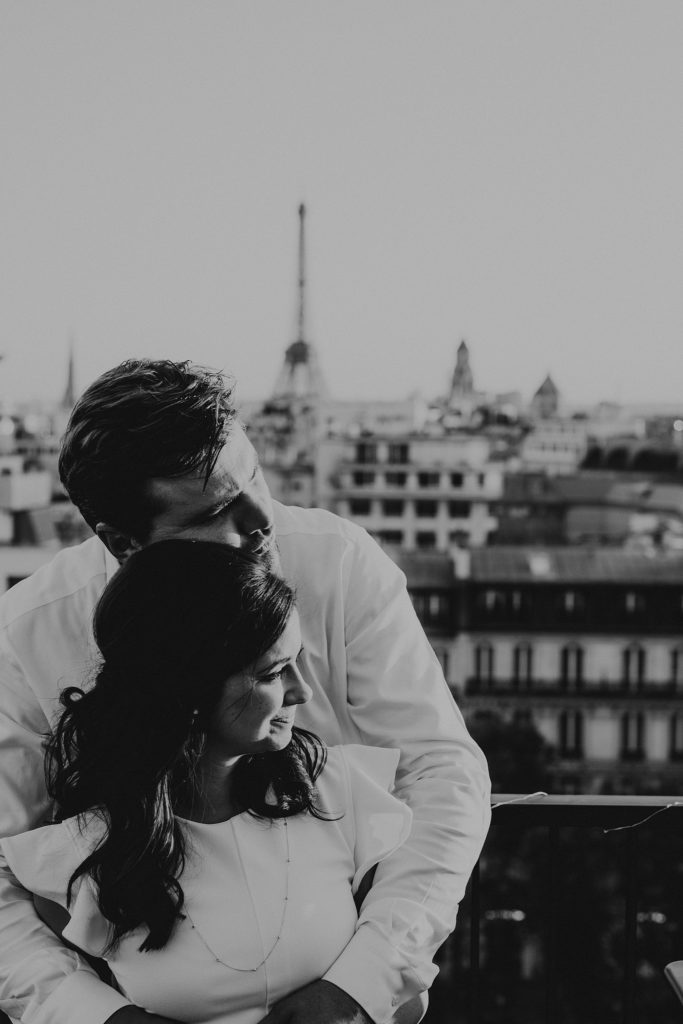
(508, 172)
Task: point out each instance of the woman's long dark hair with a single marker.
(172, 625)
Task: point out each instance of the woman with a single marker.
(205, 847)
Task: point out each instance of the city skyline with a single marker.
(504, 174)
(72, 386)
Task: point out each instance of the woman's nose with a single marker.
(298, 690)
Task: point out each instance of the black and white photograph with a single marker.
(341, 512)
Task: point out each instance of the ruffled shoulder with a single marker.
(44, 859)
(357, 783)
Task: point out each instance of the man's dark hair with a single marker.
(142, 419)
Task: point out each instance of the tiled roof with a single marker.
(546, 565)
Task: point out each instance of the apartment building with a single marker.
(413, 490)
(587, 645)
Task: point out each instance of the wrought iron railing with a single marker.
(586, 689)
(608, 969)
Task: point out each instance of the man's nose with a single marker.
(252, 513)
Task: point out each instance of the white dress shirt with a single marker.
(375, 681)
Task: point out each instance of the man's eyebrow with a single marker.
(199, 515)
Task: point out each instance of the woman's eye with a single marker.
(273, 678)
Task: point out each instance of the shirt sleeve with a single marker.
(379, 822)
(45, 982)
(41, 980)
(398, 697)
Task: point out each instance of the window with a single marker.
(676, 736)
(425, 540)
(517, 602)
(393, 537)
(571, 734)
(571, 666)
(460, 538)
(432, 608)
(360, 506)
(483, 662)
(459, 509)
(425, 509)
(362, 477)
(677, 666)
(522, 664)
(633, 666)
(428, 479)
(397, 454)
(632, 730)
(633, 602)
(573, 604)
(366, 453)
(491, 601)
(393, 507)
(457, 479)
(395, 479)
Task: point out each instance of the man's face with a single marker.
(234, 508)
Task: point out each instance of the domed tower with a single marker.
(546, 401)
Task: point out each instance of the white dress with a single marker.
(235, 883)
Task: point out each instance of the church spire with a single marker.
(69, 396)
(462, 382)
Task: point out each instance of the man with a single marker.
(154, 450)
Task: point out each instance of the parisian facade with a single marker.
(586, 644)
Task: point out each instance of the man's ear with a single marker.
(121, 545)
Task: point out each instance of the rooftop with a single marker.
(580, 564)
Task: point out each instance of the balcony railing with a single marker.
(571, 915)
(585, 689)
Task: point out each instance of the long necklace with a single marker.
(249, 970)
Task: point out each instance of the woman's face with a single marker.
(255, 712)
